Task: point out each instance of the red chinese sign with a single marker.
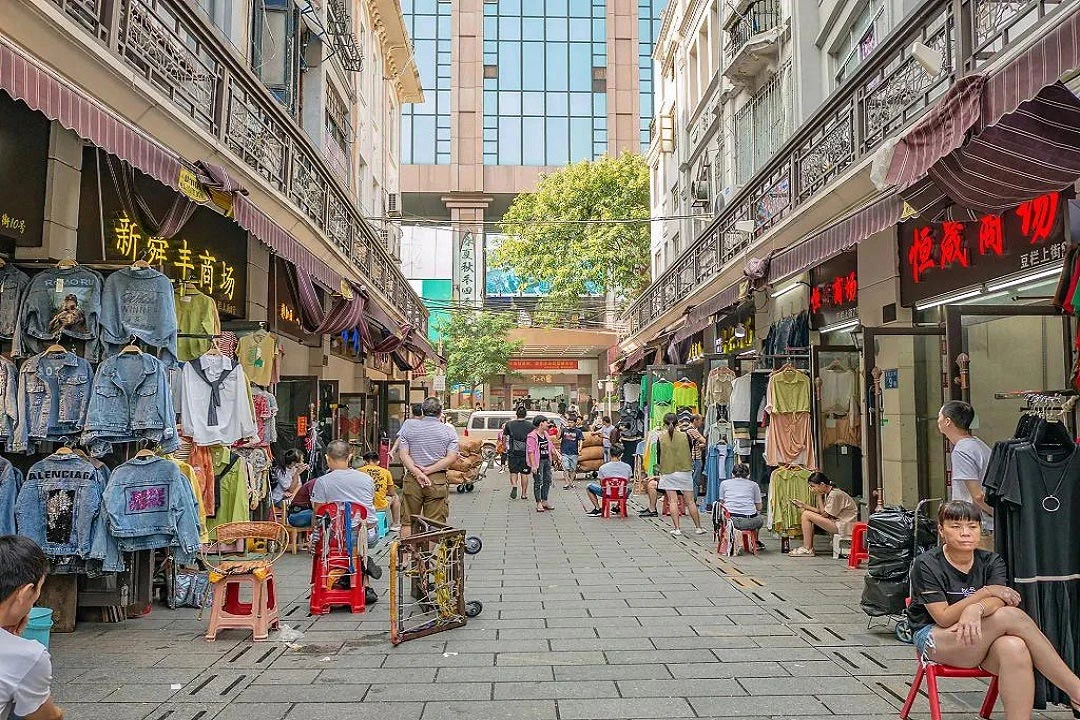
(834, 290)
(527, 364)
(937, 258)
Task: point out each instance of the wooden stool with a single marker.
(229, 612)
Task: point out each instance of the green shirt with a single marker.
(196, 314)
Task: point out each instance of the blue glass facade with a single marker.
(425, 128)
(648, 28)
(545, 75)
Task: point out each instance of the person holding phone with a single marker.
(834, 511)
(287, 475)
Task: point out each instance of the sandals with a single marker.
(801, 552)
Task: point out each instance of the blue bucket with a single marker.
(37, 628)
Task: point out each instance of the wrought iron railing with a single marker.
(888, 92)
(761, 16)
(174, 46)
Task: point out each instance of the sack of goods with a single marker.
(466, 463)
(591, 452)
(456, 477)
(592, 439)
(590, 465)
(470, 445)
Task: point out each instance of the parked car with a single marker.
(487, 424)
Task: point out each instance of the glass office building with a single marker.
(648, 28)
(425, 127)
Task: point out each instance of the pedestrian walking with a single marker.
(606, 428)
(428, 448)
(539, 451)
(516, 432)
(572, 437)
(676, 473)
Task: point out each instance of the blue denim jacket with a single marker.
(139, 302)
(47, 294)
(13, 282)
(10, 482)
(59, 507)
(54, 391)
(130, 400)
(9, 399)
(150, 504)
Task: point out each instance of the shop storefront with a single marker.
(543, 384)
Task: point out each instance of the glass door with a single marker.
(994, 350)
(903, 380)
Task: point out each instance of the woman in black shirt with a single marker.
(964, 615)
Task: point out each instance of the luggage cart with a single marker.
(481, 473)
(427, 581)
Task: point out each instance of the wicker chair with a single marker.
(263, 544)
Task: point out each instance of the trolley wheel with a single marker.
(903, 631)
(473, 545)
(473, 608)
(487, 452)
(469, 487)
(461, 488)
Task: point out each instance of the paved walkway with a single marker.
(583, 619)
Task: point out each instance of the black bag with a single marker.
(890, 538)
(884, 597)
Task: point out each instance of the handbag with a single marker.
(190, 588)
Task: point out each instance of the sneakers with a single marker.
(513, 493)
(676, 532)
(700, 531)
(648, 513)
(395, 528)
(370, 596)
(594, 513)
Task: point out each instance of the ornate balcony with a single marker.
(888, 92)
(172, 45)
(753, 42)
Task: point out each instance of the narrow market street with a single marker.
(583, 618)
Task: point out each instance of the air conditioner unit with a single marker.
(393, 209)
(699, 193)
(718, 204)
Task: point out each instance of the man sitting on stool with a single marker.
(615, 468)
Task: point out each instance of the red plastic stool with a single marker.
(332, 560)
(932, 671)
(613, 491)
(859, 549)
(664, 505)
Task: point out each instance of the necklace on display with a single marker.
(1052, 503)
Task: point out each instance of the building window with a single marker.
(546, 103)
(648, 28)
(275, 48)
(339, 135)
(861, 39)
(762, 125)
(425, 127)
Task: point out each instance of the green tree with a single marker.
(581, 258)
(477, 346)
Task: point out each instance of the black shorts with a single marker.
(517, 462)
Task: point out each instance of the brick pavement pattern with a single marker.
(584, 618)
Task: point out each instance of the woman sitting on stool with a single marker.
(741, 497)
(964, 615)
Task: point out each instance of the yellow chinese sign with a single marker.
(190, 186)
(180, 259)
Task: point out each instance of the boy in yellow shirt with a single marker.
(385, 491)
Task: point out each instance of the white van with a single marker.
(487, 424)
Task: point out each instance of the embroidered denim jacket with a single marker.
(64, 301)
(54, 391)
(139, 302)
(60, 508)
(13, 282)
(10, 482)
(150, 504)
(130, 400)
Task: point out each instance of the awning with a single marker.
(284, 245)
(718, 302)
(419, 344)
(692, 327)
(635, 360)
(838, 237)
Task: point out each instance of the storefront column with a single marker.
(63, 178)
(467, 220)
(258, 284)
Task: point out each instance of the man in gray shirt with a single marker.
(427, 448)
(969, 458)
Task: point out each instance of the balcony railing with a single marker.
(175, 48)
(761, 16)
(888, 92)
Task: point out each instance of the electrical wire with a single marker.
(444, 222)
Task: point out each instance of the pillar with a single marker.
(62, 183)
(467, 221)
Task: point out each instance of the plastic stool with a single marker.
(749, 540)
(933, 671)
(259, 615)
(613, 492)
(838, 550)
(664, 505)
(859, 550)
(383, 524)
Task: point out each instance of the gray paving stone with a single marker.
(492, 710)
(680, 688)
(550, 658)
(856, 704)
(579, 644)
(633, 657)
(441, 660)
(617, 708)
(739, 707)
(500, 673)
(612, 672)
(555, 690)
(437, 692)
(112, 711)
(264, 711)
(355, 711)
(338, 692)
(694, 642)
(141, 693)
(727, 670)
(804, 686)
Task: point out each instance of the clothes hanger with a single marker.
(64, 449)
(145, 451)
(131, 348)
(56, 347)
(66, 263)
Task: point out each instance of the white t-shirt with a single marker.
(25, 675)
(740, 495)
(346, 486)
(605, 432)
(615, 469)
(970, 456)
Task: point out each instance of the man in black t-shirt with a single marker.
(515, 435)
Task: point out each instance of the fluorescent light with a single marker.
(843, 325)
(1023, 280)
(983, 298)
(948, 300)
(786, 290)
(744, 353)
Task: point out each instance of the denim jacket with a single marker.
(130, 400)
(139, 302)
(150, 504)
(63, 301)
(13, 282)
(10, 482)
(60, 508)
(54, 391)
(9, 399)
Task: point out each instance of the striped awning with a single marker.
(718, 302)
(635, 360)
(692, 327)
